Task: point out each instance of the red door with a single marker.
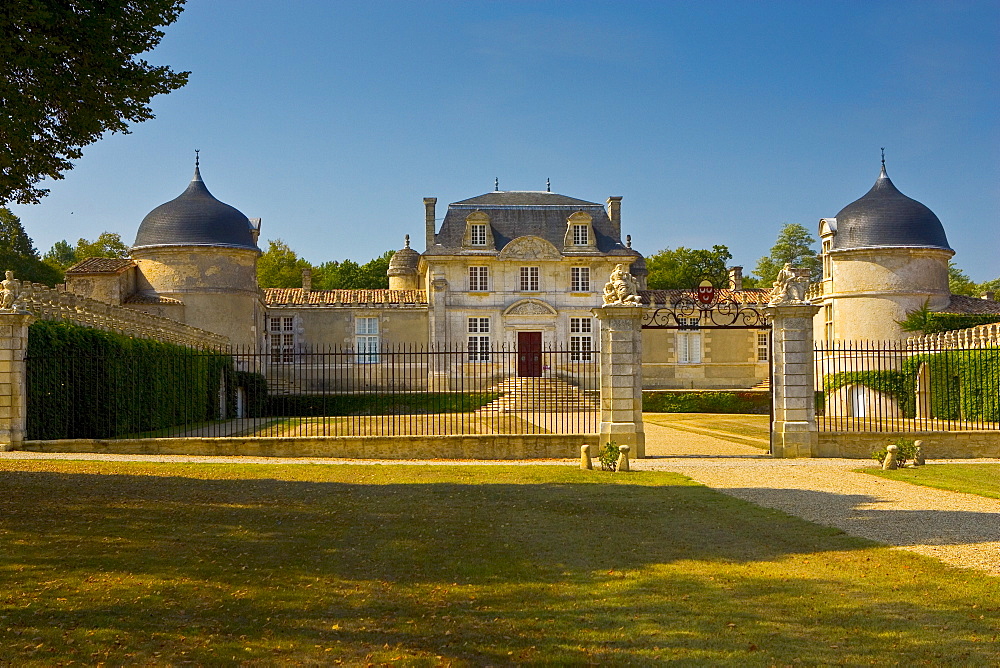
(529, 354)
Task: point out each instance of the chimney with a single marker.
(990, 295)
(615, 214)
(307, 281)
(736, 278)
(429, 203)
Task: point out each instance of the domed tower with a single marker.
(203, 253)
(403, 274)
(883, 256)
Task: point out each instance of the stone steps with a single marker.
(551, 395)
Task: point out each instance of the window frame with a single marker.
(528, 279)
(479, 278)
(581, 340)
(579, 279)
(478, 339)
(367, 337)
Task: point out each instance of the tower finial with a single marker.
(407, 240)
(196, 152)
(548, 186)
(628, 241)
(883, 156)
(496, 184)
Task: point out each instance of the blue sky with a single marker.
(716, 121)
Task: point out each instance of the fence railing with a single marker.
(868, 386)
(366, 391)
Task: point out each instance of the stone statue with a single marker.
(918, 453)
(621, 290)
(11, 290)
(789, 287)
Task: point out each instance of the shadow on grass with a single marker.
(649, 567)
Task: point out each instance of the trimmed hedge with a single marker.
(755, 403)
(87, 383)
(305, 405)
(947, 322)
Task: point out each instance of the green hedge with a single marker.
(305, 405)
(87, 383)
(757, 403)
(947, 322)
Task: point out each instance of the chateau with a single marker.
(517, 269)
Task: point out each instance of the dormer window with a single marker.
(477, 234)
(579, 233)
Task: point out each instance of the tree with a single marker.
(62, 255)
(280, 267)
(109, 244)
(17, 253)
(71, 73)
(686, 267)
(795, 245)
(959, 283)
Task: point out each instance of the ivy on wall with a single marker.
(87, 383)
(963, 384)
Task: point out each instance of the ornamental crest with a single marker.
(530, 307)
(529, 248)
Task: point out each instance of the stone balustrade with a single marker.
(46, 303)
(980, 336)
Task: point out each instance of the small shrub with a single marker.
(609, 456)
(907, 450)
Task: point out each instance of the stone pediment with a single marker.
(530, 248)
(530, 307)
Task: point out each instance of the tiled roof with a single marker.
(972, 305)
(101, 265)
(294, 297)
(750, 296)
(151, 299)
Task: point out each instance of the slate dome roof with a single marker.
(195, 218)
(404, 261)
(887, 217)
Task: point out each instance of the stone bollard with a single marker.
(586, 463)
(918, 453)
(622, 464)
(890, 459)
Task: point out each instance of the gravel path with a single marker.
(960, 529)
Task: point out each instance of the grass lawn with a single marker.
(129, 563)
(981, 479)
(742, 428)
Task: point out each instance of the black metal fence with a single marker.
(874, 386)
(306, 392)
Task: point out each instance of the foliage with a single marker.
(255, 391)
(142, 563)
(63, 256)
(918, 320)
(608, 456)
(17, 253)
(926, 321)
(959, 282)
(684, 268)
(981, 479)
(672, 401)
(417, 403)
(906, 450)
(72, 72)
(795, 245)
(964, 384)
(279, 266)
(87, 383)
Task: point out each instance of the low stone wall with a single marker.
(506, 446)
(937, 444)
(46, 303)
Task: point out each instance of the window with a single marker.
(281, 336)
(479, 339)
(581, 236)
(529, 279)
(762, 347)
(580, 341)
(366, 340)
(579, 279)
(826, 258)
(479, 279)
(828, 321)
(688, 342)
(477, 235)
